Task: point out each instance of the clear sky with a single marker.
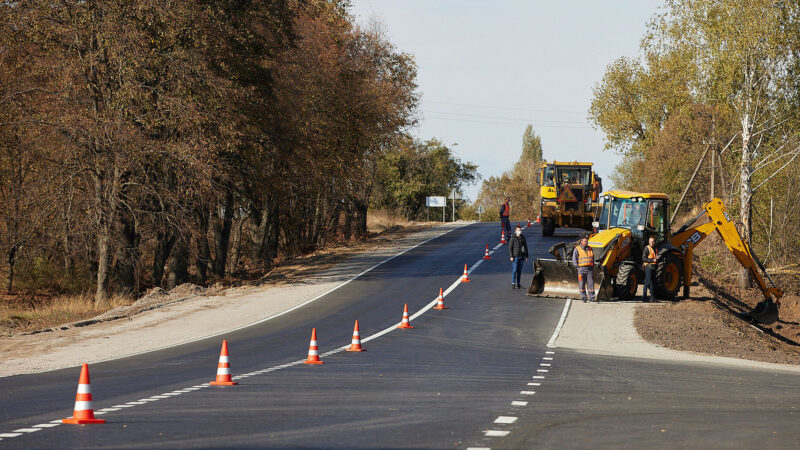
(487, 68)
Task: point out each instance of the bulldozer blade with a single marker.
(765, 312)
(553, 278)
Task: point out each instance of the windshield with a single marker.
(622, 213)
(574, 175)
(547, 176)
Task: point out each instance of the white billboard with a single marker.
(435, 202)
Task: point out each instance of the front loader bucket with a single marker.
(553, 278)
(766, 312)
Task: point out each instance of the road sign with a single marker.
(436, 202)
(480, 209)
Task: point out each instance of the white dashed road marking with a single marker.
(527, 392)
(519, 403)
(505, 419)
(496, 433)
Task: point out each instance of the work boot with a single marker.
(519, 286)
(584, 299)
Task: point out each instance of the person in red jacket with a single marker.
(505, 214)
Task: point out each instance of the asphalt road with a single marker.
(444, 383)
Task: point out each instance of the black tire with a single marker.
(627, 282)
(668, 277)
(548, 227)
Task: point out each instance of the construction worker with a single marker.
(583, 259)
(518, 253)
(505, 213)
(649, 258)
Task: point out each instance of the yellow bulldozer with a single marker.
(625, 222)
(569, 195)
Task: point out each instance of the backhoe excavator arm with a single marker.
(688, 237)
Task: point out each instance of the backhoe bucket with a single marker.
(766, 312)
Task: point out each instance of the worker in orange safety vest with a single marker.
(649, 259)
(583, 259)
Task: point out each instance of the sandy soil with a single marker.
(710, 323)
(188, 313)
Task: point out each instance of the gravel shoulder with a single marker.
(162, 320)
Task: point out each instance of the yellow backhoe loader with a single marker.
(625, 222)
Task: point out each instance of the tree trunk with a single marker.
(164, 244)
(222, 236)
(128, 253)
(203, 252)
(11, 260)
(178, 272)
(105, 204)
(361, 219)
(236, 248)
(745, 194)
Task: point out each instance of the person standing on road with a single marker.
(583, 259)
(518, 252)
(649, 258)
(505, 214)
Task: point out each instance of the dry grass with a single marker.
(25, 313)
(380, 221)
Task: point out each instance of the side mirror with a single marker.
(595, 224)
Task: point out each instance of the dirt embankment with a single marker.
(711, 323)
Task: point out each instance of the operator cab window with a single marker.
(655, 220)
(548, 178)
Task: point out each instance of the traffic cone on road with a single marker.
(486, 254)
(83, 412)
(465, 277)
(529, 222)
(503, 237)
(355, 344)
(440, 302)
(538, 218)
(223, 368)
(405, 323)
(313, 349)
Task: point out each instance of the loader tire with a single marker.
(548, 227)
(627, 282)
(668, 277)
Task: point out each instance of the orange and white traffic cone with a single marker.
(223, 368)
(84, 411)
(538, 218)
(486, 254)
(529, 222)
(465, 277)
(405, 323)
(313, 349)
(355, 344)
(503, 237)
(440, 302)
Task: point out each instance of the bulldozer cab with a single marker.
(644, 215)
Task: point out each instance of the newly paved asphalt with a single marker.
(441, 385)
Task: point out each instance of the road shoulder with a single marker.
(608, 329)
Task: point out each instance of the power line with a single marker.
(505, 107)
(506, 118)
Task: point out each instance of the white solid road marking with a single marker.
(519, 403)
(123, 406)
(505, 419)
(527, 392)
(552, 342)
(496, 433)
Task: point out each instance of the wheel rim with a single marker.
(671, 277)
